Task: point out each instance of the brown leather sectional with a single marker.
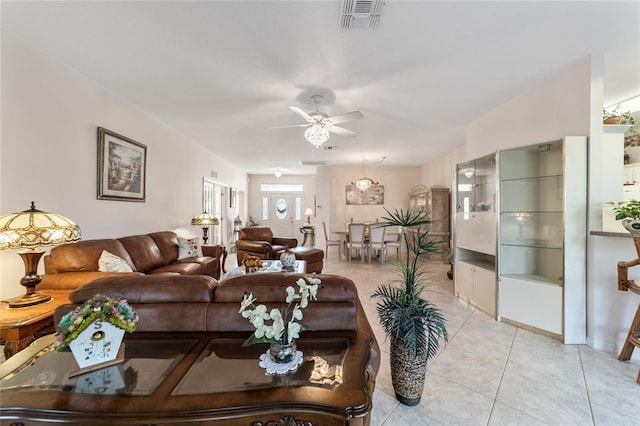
(185, 303)
(72, 265)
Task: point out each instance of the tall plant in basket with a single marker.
(414, 325)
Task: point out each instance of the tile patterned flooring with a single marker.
(492, 373)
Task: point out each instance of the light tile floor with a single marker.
(492, 373)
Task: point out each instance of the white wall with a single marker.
(48, 154)
(331, 182)
(440, 173)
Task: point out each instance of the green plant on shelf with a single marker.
(626, 209)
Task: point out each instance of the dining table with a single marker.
(391, 234)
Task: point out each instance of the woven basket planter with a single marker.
(408, 370)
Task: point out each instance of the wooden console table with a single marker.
(19, 327)
(194, 378)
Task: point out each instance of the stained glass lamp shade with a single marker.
(205, 220)
(29, 230)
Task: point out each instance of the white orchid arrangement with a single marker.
(274, 326)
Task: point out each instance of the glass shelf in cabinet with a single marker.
(543, 279)
(543, 244)
(531, 178)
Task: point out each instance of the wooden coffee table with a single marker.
(19, 327)
(205, 378)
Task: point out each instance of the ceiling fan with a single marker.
(319, 124)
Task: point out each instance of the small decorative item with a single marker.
(252, 263)
(288, 259)
(281, 333)
(94, 332)
(618, 118)
(122, 167)
(629, 213)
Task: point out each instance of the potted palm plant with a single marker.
(414, 325)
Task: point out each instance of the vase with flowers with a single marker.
(280, 329)
(252, 263)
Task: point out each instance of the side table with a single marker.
(308, 231)
(19, 327)
(224, 258)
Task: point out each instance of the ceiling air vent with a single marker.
(313, 163)
(361, 14)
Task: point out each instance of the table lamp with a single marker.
(205, 220)
(308, 213)
(30, 230)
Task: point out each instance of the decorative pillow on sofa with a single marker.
(109, 262)
(189, 248)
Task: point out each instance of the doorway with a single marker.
(285, 214)
(213, 203)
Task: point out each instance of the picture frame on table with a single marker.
(122, 167)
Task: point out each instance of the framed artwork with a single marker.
(233, 197)
(373, 195)
(122, 167)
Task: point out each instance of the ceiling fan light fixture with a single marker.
(317, 134)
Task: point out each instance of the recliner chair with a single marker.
(259, 241)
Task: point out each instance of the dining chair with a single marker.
(329, 242)
(356, 240)
(391, 244)
(376, 240)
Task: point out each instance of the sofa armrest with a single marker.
(282, 241)
(73, 280)
(212, 251)
(254, 246)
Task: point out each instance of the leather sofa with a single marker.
(72, 265)
(259, 241)
(184, 303)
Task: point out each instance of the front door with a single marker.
(283, 214)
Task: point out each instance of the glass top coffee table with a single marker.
(205, 378)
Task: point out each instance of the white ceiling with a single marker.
(223, 72)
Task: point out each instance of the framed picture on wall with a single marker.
(233, 197)
(373, 195)
(122, 167)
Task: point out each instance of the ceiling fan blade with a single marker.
(293, 125)
(301, 113)
(349, 116)
(341, 131)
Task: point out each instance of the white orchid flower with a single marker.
(291, 294)
(293, 331)
(304, 301)
(259, 333)
(297, 313)
(247, 301)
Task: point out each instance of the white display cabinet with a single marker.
(475, 233)
(542, 237)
